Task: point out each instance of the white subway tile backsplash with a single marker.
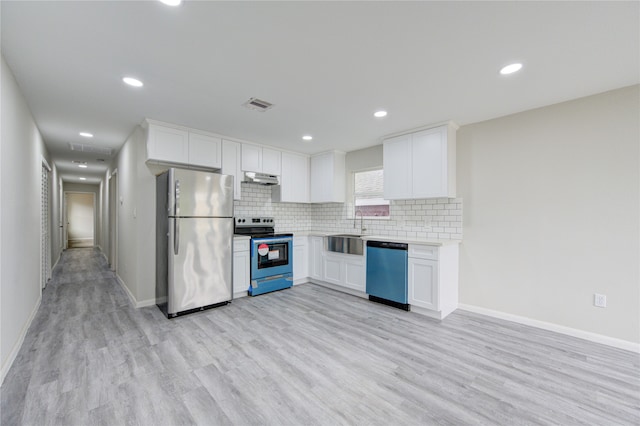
(426, 218)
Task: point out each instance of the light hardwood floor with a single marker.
(304, 356)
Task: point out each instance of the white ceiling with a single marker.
(327, 66)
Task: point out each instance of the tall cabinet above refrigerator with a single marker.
(194, 241)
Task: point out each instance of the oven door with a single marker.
(271, 256)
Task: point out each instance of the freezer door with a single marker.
(200, 262)
(195, 193)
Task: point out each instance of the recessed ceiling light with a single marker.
(132, 81)
(307, 137)
(82, 178)
(510, 69)
(380, 114)
(83, 166)
(172, 2)
(86, 134)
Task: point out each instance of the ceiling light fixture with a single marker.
(86, 134)
(510, 69)
(132, 81)
(171, 2)
(380, 114)
(83, 166)
(83, 178)
(307, 137)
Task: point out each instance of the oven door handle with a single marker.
(272, 240)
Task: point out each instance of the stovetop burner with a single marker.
(257, 227)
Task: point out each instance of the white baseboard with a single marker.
(132, 299)
(16, 347)
(145, 303)
(574, 332)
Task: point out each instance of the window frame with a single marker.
(354, 195)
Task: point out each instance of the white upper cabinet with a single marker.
(271, 161)
(421, 164)
(173, 145)
(231, 165)
(328, 180)
(205, 151)
(166, 144)
(294, 180)
(262, 160)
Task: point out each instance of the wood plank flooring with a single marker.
(304, 356)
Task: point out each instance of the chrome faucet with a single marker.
(355, 217)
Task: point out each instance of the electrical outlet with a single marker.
(599, 300)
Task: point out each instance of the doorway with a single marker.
(80, 211)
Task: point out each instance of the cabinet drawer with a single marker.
(423, 252)
(241, 245)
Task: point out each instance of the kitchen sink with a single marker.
(345, 243)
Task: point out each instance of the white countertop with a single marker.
(395, 239)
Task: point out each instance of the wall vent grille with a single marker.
(90, 148)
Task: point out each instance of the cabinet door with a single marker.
(294, 180)
(300, 258)
(396, 155)
(354, 273)
(321, 169)
(168, 145)
(251, 158)
(271, 161)
(315, 257)
(205, 151)
(429, 159)
(332, 271)
(231, 159)
(423, 283)
(241, 273)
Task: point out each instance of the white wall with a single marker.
(21, 155)
(552, 214)
(136, 219)
(127, 232)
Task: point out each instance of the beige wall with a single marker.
(552, 213)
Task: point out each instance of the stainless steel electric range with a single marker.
(271, 254)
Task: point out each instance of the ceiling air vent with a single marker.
(90, 148)
(257, 104)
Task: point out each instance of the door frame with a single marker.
(45, 251)
(112, 213)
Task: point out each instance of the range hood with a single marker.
(260, 178)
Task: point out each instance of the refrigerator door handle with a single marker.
(176, 236)
(176, 224)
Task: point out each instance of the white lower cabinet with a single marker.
(241, 266)
(345, 270)
(433, 279)
(300, 259)
(423, 283)
(316, 255)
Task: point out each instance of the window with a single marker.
(368, 194)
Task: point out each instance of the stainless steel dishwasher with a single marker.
(387, 273)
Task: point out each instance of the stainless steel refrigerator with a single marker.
(194, 241)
